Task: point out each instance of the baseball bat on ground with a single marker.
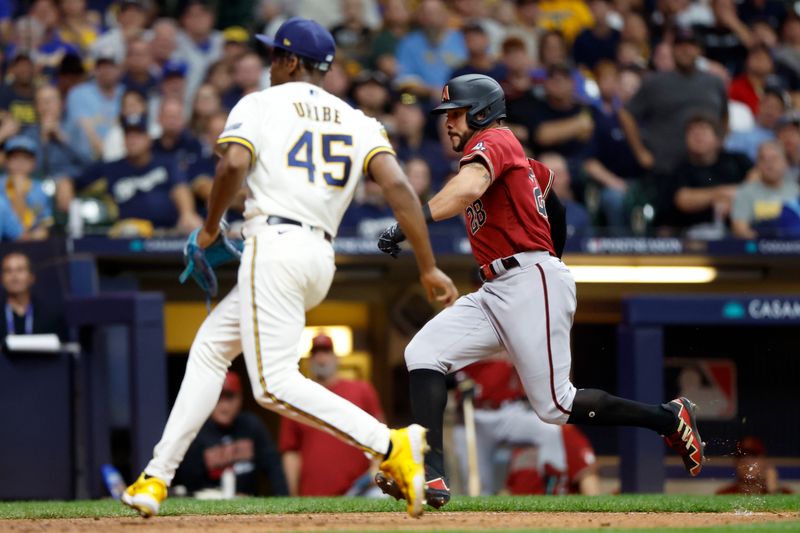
(467, 388)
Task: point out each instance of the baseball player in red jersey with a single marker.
(517, 229)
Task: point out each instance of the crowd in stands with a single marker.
(662, 117)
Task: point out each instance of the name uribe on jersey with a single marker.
(302, 152)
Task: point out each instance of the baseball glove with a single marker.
(389, 240)
(200, 262)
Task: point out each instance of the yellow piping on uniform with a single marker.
(375, 151)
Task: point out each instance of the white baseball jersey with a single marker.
(309, 148)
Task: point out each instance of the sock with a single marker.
(428, 400)
(598, 408)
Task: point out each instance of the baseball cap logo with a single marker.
(446, 93)
(287, 42)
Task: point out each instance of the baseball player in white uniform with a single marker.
(302, 152)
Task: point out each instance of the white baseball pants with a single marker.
(285, 271)
(527, 311)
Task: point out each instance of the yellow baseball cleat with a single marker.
(145, 495)
(406, 465)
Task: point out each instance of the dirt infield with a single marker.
(395, 521)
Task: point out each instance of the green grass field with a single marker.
(256, 506)
(245, 506)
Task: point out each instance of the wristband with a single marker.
(426, 212)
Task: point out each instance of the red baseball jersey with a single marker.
(525, 478)
(496, 381)
(510, 217)
(330, 466)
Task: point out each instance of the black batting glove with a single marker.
(389, 240)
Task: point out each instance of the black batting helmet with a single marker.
(479, 94)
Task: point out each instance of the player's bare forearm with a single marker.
(183, 200)
(231, 172)
(467, 186)
(292, 462)
(405, 205)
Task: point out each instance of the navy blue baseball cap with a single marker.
(20, 143)
(305, 38)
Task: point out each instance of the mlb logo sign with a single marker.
(446, 94)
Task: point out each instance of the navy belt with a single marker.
(488, 273)
(273, 220)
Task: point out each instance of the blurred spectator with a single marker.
(569, 17)
(525, 26)
(172, 85)
(754, 472)
(77, 26)
(503, 416)
(352, 36)
(598, 42)
(142, 186)
(235, 39)
(787, 54)
(232, 440)
(164, 42)
(771, 12)
(466, 12)
(576, 473)
(200, 175)
(55, 156)
(176, 142)
(611, 163)
(199, 44)
(479, 59)
(139, 69)
(705, 183)
(70, 73)
(131, 23)
(371, 95)
(517, 82)
(748, 87)
(663, 57)
(247, 74)
(759, 206)
(657, 114)
(29, 203)
(92, 106)
(49, 47)
(206, 104)
(336, 80)
(16, 97)
(396, 21)
(315, 462)
(560, 123)
(727, 40)
(419, 176)
(788, 133)
(773, 105)
(10, 228)
(25, 314)
(327, 17)
(133, 104)
(426, 57)
(636, 36)
(554, 51)
(220, 77)
(409, 138)
(369, 214)
(578, 220)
